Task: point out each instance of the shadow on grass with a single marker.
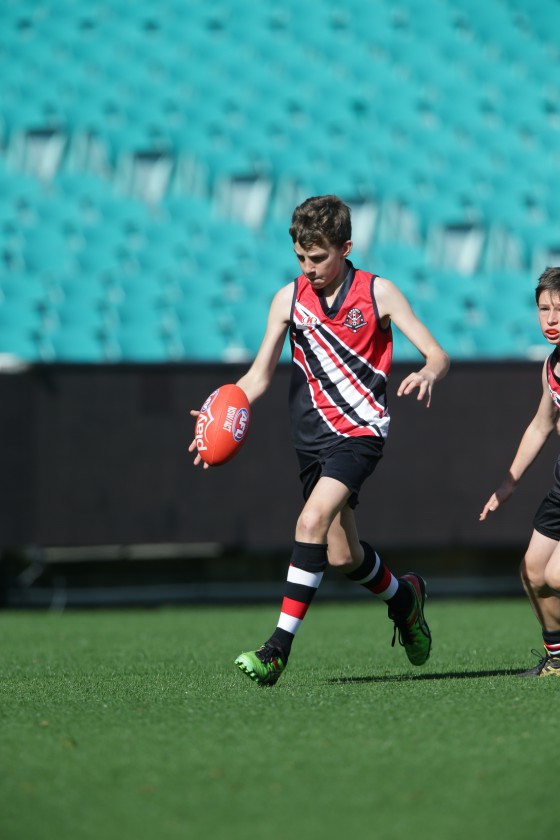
(448, 675)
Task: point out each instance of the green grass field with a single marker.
(135, 724)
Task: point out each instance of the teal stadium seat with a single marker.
(18, 341)
(134, 342)
(71, 343)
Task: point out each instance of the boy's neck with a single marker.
(330, 292)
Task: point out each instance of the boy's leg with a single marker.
(404, 596)
(540, 575)
(307, 564)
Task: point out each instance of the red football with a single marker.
(222, 424)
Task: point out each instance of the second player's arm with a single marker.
(534, 438)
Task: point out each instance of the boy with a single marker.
(540, 569)
(339, 319)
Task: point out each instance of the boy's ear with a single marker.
(346, 248)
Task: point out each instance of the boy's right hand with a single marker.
(193, 446)
(502, 494)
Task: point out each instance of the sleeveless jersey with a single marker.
(553, 382)
(341, 360)
(554, 390)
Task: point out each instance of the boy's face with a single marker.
(323, 265)
(549, 316)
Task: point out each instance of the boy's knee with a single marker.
(532, 575)
(552, 577)
(312, 526)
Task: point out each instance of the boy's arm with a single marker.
(259, 376)
(257, 379)
(391, 303)
(533, 440)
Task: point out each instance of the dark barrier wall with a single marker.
(98, 455)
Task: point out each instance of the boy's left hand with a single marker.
(423, 380)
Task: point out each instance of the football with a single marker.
(222, 425)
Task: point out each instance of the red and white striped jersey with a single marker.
(553, 382)
(341, 360)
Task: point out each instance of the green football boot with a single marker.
(413, 632)
(264, 665)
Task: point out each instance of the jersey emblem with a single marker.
(355, 320)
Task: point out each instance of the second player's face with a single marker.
(549, 317)
(324, 266)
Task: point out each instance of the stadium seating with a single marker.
(150, 160)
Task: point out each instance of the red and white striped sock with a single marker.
(551, 640)
(378, 579)
(305, 573)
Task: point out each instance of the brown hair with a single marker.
(549, 281)
(321, 220)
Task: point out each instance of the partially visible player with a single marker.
(339, 318)
(540, 569)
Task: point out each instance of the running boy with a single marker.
(540, 568)
(339, 319)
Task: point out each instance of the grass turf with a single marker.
(136, 724)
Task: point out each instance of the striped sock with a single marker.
(305, 573)
(551, 639)
(376, 577)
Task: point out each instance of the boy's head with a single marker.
(549, 281)
(321, 220)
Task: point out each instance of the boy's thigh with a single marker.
(546, 521)
(349, 462)
(540, 550)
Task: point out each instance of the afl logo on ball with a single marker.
(355, 320)
(240, 424)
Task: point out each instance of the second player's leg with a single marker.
(541, 568)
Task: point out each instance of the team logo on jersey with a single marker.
(355, 320)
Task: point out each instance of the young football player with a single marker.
(339, 319)
(540, 568)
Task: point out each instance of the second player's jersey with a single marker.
(553, 382)
(341, 360)
(554, 390)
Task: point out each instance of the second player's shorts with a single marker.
(350, 461)
(547, 517)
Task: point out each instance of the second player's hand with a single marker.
(193, 447)
(423, 380)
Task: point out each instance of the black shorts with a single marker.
(547, 517)
(350, 461)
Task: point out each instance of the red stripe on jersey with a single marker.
(331, 413)
(296, 609)
(349, 374)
